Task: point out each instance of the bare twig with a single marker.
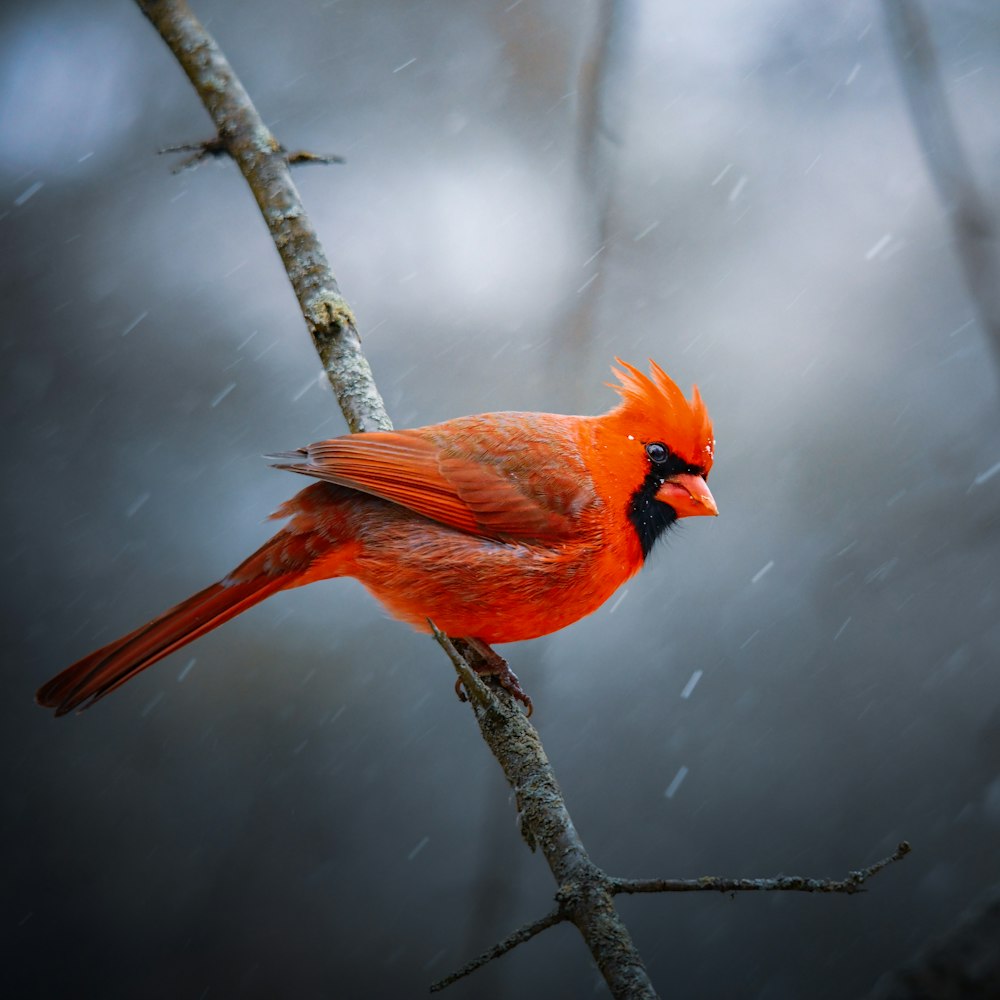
(215, 148)
(209, 149)
(473, 685)
(509, 943)
(778, 883)
(485, 662)
(973, 222)
(301, 156)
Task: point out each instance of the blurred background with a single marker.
(297, 805)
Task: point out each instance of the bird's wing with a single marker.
(511, 475)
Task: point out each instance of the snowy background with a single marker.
(297, 805)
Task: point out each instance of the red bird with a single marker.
(497, 527)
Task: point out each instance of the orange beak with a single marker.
(688, 495)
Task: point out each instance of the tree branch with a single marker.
(509, 943)
(584, 890)
(261, 159)
(778, 883)
(708, 883)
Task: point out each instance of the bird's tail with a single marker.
(309, 547)
(107, 668)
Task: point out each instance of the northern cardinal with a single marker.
(497, 527)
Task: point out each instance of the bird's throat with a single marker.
(649, 517)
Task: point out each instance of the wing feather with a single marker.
(509, 475)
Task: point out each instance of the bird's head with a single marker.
(657, 448)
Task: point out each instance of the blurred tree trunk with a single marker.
(973, 222)
(965, 964)
(601, 113)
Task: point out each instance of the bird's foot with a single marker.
(487, 662)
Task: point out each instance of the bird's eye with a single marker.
(657, 452)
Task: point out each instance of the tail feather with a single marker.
(90, 679)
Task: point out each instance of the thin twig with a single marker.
(779, 883)
(301, 156)
(520, 936)
(472, 683)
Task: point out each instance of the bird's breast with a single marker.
(494, 590)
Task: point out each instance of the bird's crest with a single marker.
(659, 398)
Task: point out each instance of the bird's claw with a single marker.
(487, 662)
